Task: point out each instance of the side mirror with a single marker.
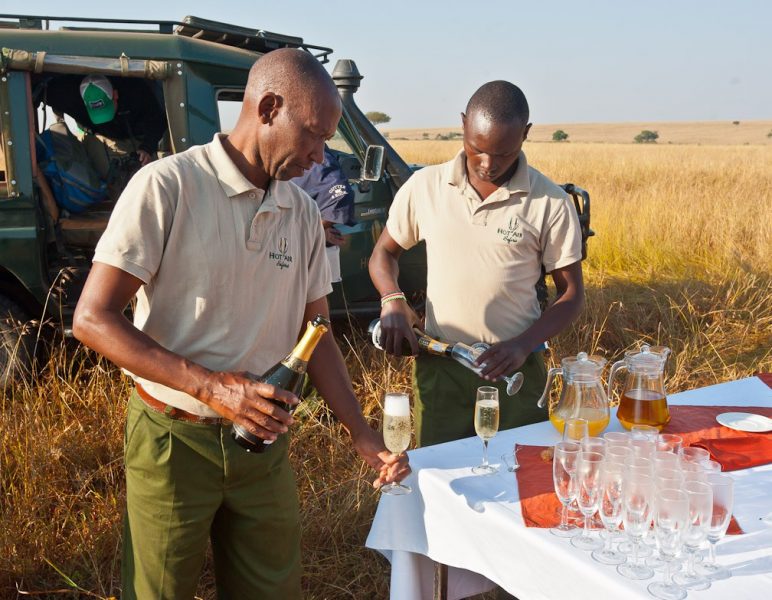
(372, 170)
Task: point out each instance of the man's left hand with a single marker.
(390, 467)
(502, 359)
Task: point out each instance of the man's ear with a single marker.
(268, 107)
(526, 130)
(463, 121)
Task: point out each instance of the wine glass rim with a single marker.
(568, 446)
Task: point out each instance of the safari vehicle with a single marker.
(198, 70)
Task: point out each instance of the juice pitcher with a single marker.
(643, 400)
(582, 396)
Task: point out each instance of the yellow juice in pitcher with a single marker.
(597, 420)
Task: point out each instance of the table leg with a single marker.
(440, 581)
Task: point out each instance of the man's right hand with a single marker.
(397, 321)
(240, 398)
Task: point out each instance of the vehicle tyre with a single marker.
(16, 343)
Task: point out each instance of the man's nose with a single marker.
(318, 153)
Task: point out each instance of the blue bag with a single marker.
(63, 160)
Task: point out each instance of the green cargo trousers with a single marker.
(187, 482)
(445, 393)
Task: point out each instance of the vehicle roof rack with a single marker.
(257, 40)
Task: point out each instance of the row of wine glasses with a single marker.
(644, 479)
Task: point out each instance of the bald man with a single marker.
(227, 262)
(490, 222)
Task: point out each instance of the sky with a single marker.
(576, 61)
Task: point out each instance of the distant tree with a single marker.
(769, 135)
(559, 136)
(646, 137)
(425, 135)
(735, 122)
(376, 117)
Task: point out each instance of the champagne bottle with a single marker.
(287, 375)
(426, 343)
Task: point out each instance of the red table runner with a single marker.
(697, 424)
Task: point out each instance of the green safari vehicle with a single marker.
(197, 70)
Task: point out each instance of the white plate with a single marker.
(742, 421)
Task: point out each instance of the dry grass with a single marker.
(682, 257)
(670, 132)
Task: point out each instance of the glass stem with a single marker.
(690, 565)
(485, 453)
(668, 575)
(635, 552)
(564, 516)
(607, 545)
(712, 552)
(586, 533)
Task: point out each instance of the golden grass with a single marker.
(670, 132)
(681, 257)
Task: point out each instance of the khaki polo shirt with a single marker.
(227, 268)
(484, 257)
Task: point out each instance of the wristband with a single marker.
(386, 298)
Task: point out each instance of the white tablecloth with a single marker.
(474, 524)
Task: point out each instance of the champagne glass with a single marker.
(564, 479)
(617, 438)
(700, 516)
(637, 497)
(723, 500)
(618, 454)
(646, 432)
(669, 523)
(610, 510)
(468, 355)
(587, 496)
(396, 434)
(692, 454)
(594, 444)
(486, 423)
(669, 442)
(664, 460)
(575, 429)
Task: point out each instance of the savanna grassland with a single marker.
(682, 256)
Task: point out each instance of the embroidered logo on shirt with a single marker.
(512, 234)
(283, 260)
(338, 191)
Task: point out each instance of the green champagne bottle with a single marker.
(287, 375)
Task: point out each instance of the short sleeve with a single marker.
(402, 223)
(562, 244)
(319, 277)
(139, 226)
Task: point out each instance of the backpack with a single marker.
(63, 160)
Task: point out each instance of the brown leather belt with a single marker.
(173, 412)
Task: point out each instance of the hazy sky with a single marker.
(577, 61)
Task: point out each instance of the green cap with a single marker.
(97, 94)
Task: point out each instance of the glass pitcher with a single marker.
(582, 396)
(643, 400)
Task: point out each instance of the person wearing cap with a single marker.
(121, 116)
(490, 223)
(328, 186)
(226, 259)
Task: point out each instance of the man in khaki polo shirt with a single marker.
(490, 222)
(227, 261)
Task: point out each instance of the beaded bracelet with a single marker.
(386, 298)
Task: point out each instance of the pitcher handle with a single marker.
(550, 376)
(620, 364)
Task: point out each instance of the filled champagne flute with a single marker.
(564, 479)
(670, 521)
(610, 509)
(723, 501)
(396, 434)
(637, 501)
(700, 515)
(486, 423)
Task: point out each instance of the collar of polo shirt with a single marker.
(233, 181)
(518, 184)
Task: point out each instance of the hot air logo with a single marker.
(511, 234)
(283, 260)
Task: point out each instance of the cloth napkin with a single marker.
(740, 452)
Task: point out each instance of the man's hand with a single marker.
(333, 236)
(397, 320)
(144, 157)
(390, 467)
(240, 398)
(503, 359)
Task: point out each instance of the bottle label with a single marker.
(432, 346)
